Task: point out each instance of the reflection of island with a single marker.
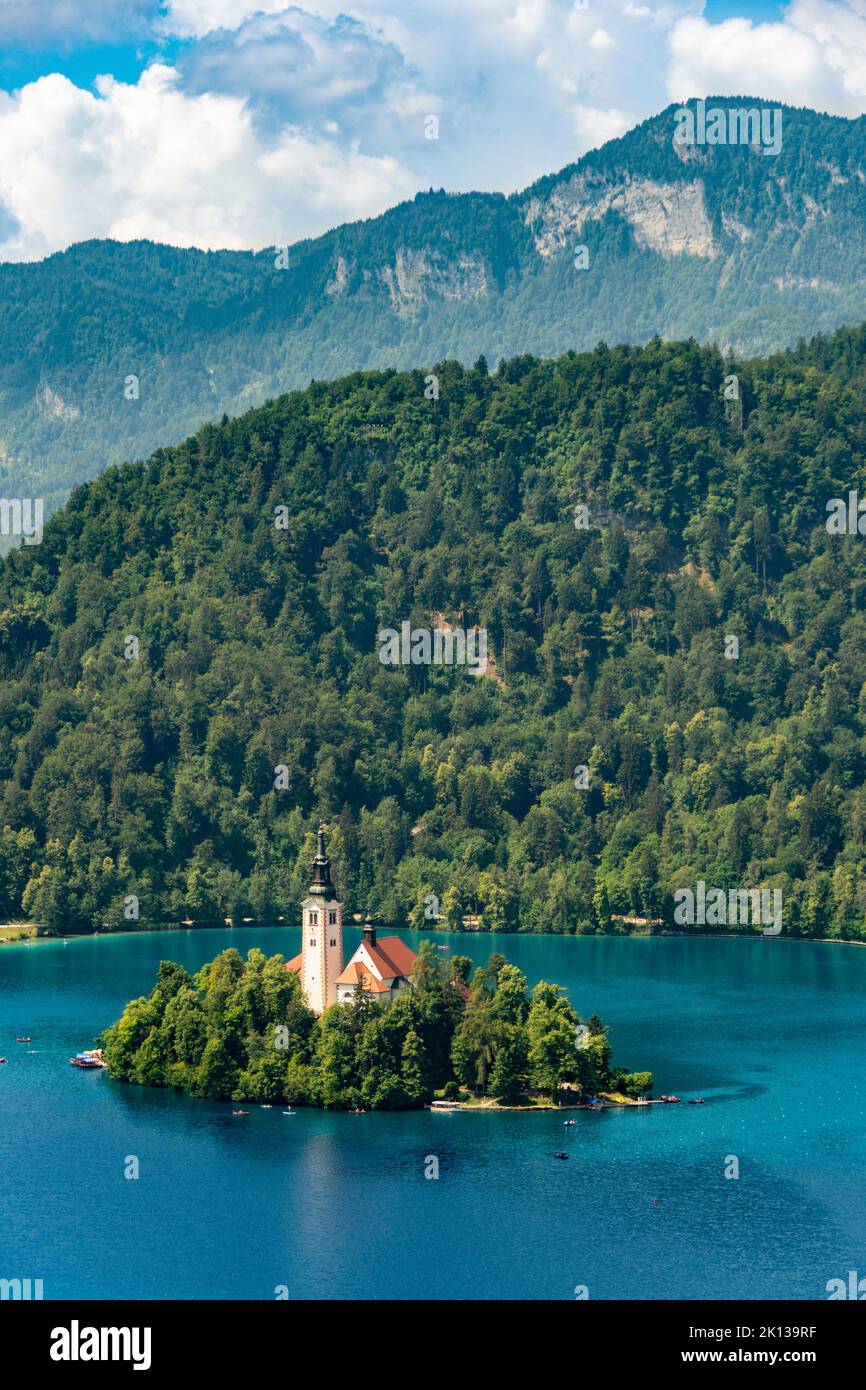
(390, 1030)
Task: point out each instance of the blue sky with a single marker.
(230, 123)
(716, 10)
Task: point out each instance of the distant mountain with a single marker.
(727, 244)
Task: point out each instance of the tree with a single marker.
(415, 1074)
(551, 1028)
(509, 1075)
(475, 1043)
(510, 1002)
(217, 1075)
(461, 968)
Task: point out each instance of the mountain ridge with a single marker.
(716, 243)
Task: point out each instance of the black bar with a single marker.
(228, 1337)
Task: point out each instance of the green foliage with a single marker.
(551, 1035)
(155, 780)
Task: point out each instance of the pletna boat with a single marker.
(88, 1059)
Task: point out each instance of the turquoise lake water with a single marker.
(770, 1032)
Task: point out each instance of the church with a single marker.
(383, 968)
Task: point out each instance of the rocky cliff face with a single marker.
(418, 275)
(669, 218)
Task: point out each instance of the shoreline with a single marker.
(607, 1102)
(33, 939)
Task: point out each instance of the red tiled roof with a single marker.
(358, 974)
(392, 957)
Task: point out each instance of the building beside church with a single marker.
(382, 968)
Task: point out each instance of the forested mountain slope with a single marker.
(109, 350)
(256, 562)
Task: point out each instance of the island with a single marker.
(241, 1030)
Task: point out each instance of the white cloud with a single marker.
(38, 23)
(279, 120)
(815, 56)
(594, 126)
(195, 18)
(151, 161)
(601, 39)
(521, 87)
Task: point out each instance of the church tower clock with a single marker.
(322, 925)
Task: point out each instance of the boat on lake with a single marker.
(89, 1059)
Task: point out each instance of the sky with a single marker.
(224, 123)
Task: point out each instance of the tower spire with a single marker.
(321, 886)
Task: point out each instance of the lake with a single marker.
(769, 1031)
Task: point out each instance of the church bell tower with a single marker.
(322, 925)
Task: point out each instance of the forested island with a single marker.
(191, 673)
(240, 1030)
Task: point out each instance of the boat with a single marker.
(266, 1107)
(23, 1039)
(446, 1107)
(560, 1155)
(290, 1112)
(88, 1059)
(3, 1059)
(700, 1101)
(240, 1112)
